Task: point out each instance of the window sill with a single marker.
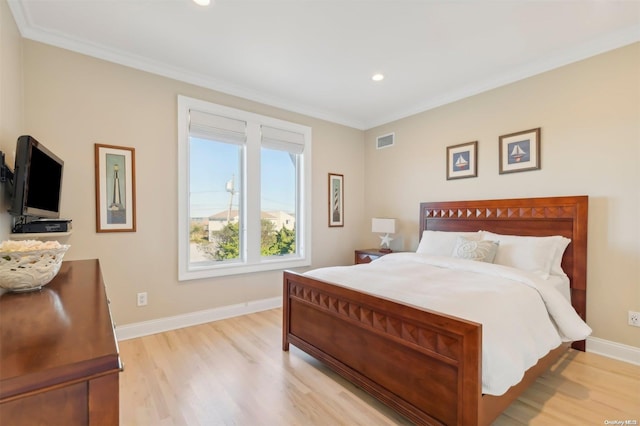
(209, 271)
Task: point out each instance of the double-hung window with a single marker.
(244, 191)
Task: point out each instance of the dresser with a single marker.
(59, 360)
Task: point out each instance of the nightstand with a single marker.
(368, 255)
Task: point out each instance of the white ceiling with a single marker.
(317, 57)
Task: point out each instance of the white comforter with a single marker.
(523, 317)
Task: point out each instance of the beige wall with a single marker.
(73, 101)
(589, 113)
(11, 105)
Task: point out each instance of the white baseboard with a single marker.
(614, 350)
(145, 328)
(595, 345)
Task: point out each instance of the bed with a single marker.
(424, 364)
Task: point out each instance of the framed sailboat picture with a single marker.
(115, 188)
(520, 151)
(462, 160)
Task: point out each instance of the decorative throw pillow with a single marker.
(483, 250)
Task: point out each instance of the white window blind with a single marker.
(282, 140)
(216, 127)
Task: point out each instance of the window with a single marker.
(244, 191)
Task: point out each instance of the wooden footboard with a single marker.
(423, 364)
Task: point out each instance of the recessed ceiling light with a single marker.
(377, 77)
(202, 2)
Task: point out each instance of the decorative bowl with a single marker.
(28, 270)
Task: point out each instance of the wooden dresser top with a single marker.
(61, 333)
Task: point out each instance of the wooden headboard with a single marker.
(566, 216)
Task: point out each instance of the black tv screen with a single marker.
(37, 180)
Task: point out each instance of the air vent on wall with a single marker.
(385, 141)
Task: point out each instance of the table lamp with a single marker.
(384, 226)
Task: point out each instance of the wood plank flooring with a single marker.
(234, 372)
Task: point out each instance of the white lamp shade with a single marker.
(383, 225)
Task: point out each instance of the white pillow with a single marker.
(441, 243)
(533, 254)
(561, 245)
(483, 251)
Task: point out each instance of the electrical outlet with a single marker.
(634, 318)
(142, 299)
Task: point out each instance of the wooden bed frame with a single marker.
(424, 364)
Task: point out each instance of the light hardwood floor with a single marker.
(234, 372)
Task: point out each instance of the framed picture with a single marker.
(520, 151)
(336, 200)
(462, 160)
(115, 188)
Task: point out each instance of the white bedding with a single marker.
(523, 316)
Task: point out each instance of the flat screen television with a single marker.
(37, 180)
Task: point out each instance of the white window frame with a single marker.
(250, 259)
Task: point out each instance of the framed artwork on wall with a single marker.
(115, 188)
(336, 200)
(520, 151)
(462, 160)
